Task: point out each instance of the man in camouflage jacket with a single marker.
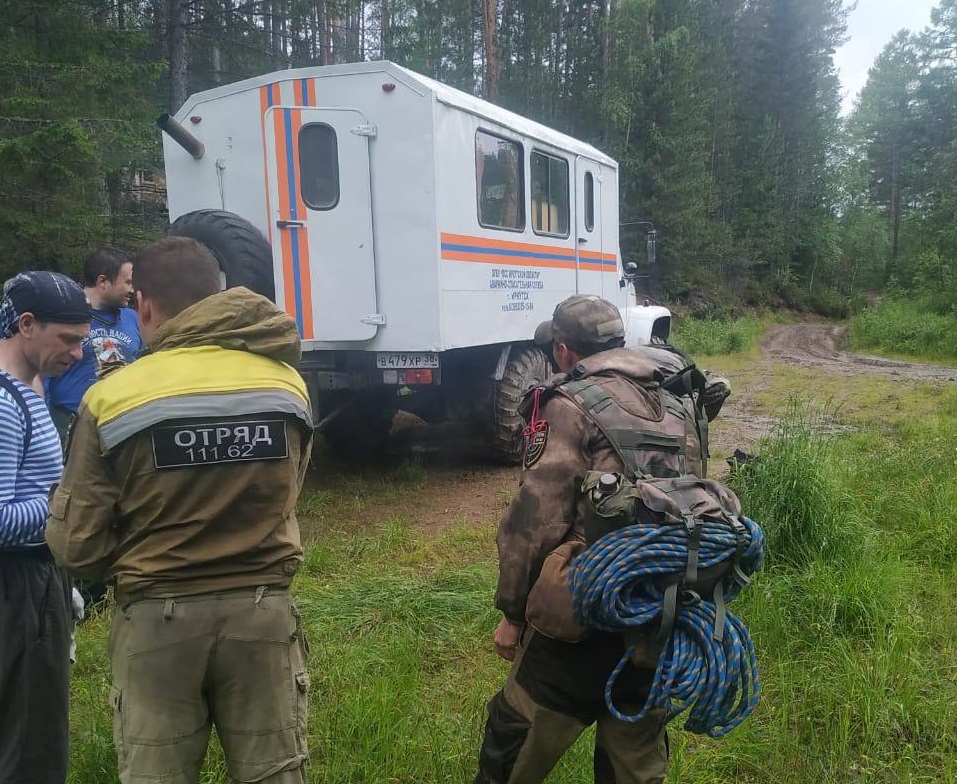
(555, 688)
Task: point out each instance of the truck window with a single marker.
(589, 201)
(549, 195)
(319, 166)
(499, 182)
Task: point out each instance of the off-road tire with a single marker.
(527, 367)
(241, 250)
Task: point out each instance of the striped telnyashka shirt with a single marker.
(25, 481)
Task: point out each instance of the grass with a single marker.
(713, 338)
(899, 328)
(852, 614)
(853, 617)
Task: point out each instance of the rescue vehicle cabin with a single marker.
(404, 215)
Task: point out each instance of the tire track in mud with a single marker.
(817, 346)
(821, 345)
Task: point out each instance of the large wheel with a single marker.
(242, 252)
(526, 368)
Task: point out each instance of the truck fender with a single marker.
(646, 324)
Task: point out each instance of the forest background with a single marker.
(723, 114)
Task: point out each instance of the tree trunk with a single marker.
(178, 53)
(606, 9)
(325, 31)
(275, 30)
(895, 205)
(385, 30)
(493, 55)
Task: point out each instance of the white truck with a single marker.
(417, 234)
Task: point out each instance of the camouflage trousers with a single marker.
(553, 692)
(233, 660)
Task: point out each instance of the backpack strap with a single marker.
(687, 381)
(10, 386)
(737, 575)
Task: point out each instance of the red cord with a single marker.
(535, 425)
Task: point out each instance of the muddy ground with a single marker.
(458, 486)
(816, 346)
(820, 346)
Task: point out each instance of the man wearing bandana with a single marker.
(556, 685)
(44, 317)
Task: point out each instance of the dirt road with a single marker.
(820, 345)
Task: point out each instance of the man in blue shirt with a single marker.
(114, 337)
(44, 318)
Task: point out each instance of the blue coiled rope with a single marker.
(618, 585)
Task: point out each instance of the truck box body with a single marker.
(395, 258)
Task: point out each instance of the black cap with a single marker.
(49, 296)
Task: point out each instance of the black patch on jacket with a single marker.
(211, 443)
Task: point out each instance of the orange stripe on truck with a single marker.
(507, 245)
(265, 101)
(483, 250)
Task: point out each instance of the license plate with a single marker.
(398, 361)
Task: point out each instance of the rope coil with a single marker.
(619, 584)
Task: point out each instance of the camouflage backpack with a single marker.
(663, 483)
(658, 429)
(656, 423)
(692, 507)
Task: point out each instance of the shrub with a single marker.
(910, 328)
(710, 338)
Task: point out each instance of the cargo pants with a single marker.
(233, 660)
(553, 692)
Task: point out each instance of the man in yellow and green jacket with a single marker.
(182, 475)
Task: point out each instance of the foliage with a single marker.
(75, 131)
(723, 116)
(709, 338)
(903, 135)
(908, 327)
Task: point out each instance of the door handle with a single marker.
(290, 224)
(582, 241)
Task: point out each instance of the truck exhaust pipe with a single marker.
(181, 136)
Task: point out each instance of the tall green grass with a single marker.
(906, 328)
(851, 614)
(853, 619)
(711, 338)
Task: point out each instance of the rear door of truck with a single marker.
(594, 264)
(317, 162)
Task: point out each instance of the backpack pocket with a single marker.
(549, 606)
